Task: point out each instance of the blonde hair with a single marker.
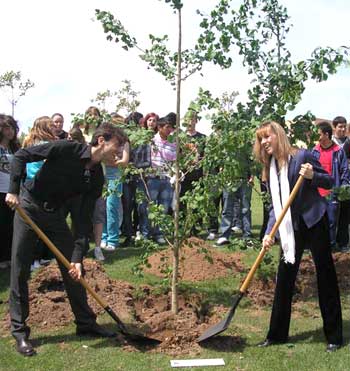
(283, 150)
(41, 131)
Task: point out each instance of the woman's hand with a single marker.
(307, 171)
(267, 242)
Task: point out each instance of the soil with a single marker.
(150, 311)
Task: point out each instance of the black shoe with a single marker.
(332, 347)
(25, 348)
(268, 342)
(94, 330)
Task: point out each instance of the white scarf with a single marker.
(286, 227)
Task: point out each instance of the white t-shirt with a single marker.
(5, 163)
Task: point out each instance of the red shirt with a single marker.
(326, 155)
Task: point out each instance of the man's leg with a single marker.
(24, 241)
(58, 232)
(227, 214)
(246, 196)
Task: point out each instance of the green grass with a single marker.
(62, 350)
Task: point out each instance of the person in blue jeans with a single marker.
(113, 172)
(236, 205)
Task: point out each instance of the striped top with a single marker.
(162, 154)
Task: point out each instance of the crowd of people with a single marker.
(58, 173)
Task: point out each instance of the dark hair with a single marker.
(143, 122)
(339, 120)
(134, 117)
(92, 115)
(77, 135)
(171, 118)
(108, 130)
(6, 120)
(57, 114)
(326, 128)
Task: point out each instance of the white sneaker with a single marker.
(35, 265)
(103, 244)
(236, 229)
(211, 236)
(45, 261)
(222, 241)
(110, 248)
(98, 254)
(138, 236)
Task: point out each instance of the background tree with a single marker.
(13, 84)
(124, 100)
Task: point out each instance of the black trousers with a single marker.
(6, 228)
(343, 224)
(54, 225)
(317, 240)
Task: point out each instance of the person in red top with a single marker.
(333, 159)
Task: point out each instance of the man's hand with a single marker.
(267, 242)
(12, 200)
(75, 271)
(307, 171)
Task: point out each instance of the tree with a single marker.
(126, 99)
(12, 81)
(257, 32)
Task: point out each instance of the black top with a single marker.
(63, 174)
(346, 148)
(63, 135)
(199, 140)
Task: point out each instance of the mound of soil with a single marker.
(261, 292)
(50, 310)
(198, 262)
(150, 311)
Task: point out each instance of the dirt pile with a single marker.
(261, 292)
(198, 262)
(50, 309)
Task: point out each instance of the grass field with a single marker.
(62, 350)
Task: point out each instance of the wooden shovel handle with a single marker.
(274, 229)
(60, 257)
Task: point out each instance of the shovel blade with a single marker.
(130, 334)
(222, 325)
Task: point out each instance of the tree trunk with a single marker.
(174, 283)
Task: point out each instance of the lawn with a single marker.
(62, 350)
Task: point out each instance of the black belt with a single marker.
(162, 177)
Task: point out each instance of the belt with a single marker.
(162, 177)
(45, 205)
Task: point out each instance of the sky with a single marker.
(59, 46)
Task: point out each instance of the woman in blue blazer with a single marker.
(305, 227)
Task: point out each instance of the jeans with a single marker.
(161, 192)
(236, 211)
(129, 201)
(110, 234)
(333, 214)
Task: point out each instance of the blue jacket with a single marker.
(340, 171)
(308, 204)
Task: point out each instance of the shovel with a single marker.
(60, 257)
(222, 326)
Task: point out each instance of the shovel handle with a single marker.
(60, 257)
(274, 229)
